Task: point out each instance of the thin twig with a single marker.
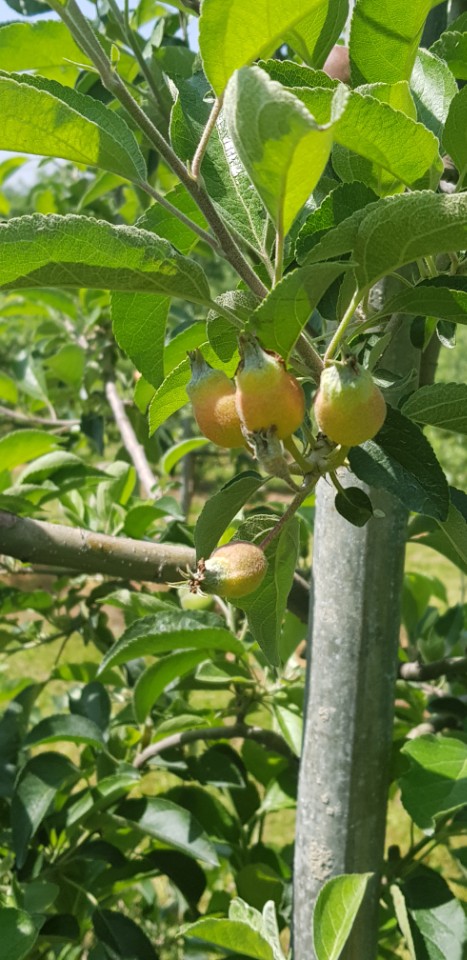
(291, 509)
(31, 421)
(418, 672)
(269, 739)
(203, 143)
(146, 477)
(202, 234)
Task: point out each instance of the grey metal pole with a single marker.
(354, 634)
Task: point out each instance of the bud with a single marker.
(267, 396)
(232, 571)
(213, 398)
(349, 407)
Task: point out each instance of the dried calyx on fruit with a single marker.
(349, 407)
(231, 571)
(213, 397)
(267, 395)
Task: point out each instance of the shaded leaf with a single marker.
(441, 405)
(168, 631)
(138, 323)
(387, 237)
(283, 314)
(400, 459)
(225, 179)
(67, 728)
(442, 296)
(122, 937)
(220, 509)
(336, 207)
(354, 505)
(75, 251)
(160, 221)
(265, 607)
(152, 683)
(37, 785)
(18, 933)
(455, 131)
(436, 781)
(171, 824)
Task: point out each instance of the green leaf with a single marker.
(24, 445)
(384, 39)
(282, 315)
(172, 395)
(354, 505)
(452, 47)
(45, 46)
(374, 129)
(449, 537)
(18, 933)
(122, 937)
(75, 251)
(35, 790)
(173, 630)
(455, 131)
(400, 459)
(8, 388)
(436, 781)
(437, 913)
(336, 207)
(444, 297)
(179, 450)
(160, 221)
(441, 405)
(72, 126)
(335, 912)
(67, 364)
(223, 175)
(314, 37)
(171, 824)
(138, 323)
(433, 88)
(282, 148)
(66, 728)
(398, 230)
(265, 608)
(220, 509)
(237, 32)
(233, 935)
(152, 683)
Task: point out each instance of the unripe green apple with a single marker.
(267, 396)
(213, 398)
(349, 407)
(232, 571)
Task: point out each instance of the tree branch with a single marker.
(36, 541)
(418, 672)
(31, 421)
(146, 477)
(269, 739)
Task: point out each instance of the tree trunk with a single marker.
(352, 663)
